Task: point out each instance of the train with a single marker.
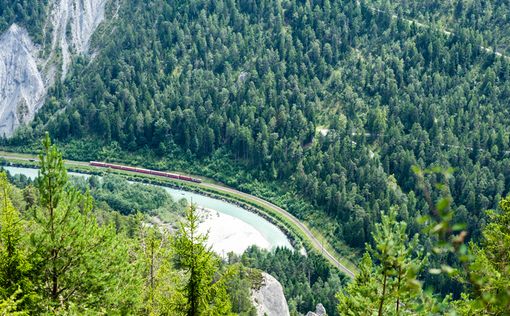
(144, 171)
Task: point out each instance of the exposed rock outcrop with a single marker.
(72, 23)
(319, 311)
(269, 298)
(24, 77)
(22, 89)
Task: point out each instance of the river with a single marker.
(230, 227)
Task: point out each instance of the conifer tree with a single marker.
(204, 289)
(353, 301)
(15, 266)
(489, 268)
(161, 279)
(383, 288)
(81, 265)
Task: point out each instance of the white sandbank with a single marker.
(228, 233)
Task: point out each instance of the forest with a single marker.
(63, 252)
(488, 20)
(70, 245)
(29, 13)
(321, 106)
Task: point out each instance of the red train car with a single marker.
(144, 171)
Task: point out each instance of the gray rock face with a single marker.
(269, 299)
(24, 78)
(73, 22)
(22, 89)
(319, 311)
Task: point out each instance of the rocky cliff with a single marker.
(269, 298)
(22, 89)
(72, 23)
(25, 76)
(319, 311)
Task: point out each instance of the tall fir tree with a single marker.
(15, 266)
(389, 287)
(81, 264)
(204, 288)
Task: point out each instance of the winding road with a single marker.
(314, 241)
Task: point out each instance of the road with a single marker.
(314, 241)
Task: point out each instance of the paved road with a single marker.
(315, 242)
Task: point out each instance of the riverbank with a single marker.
(229, 234)
(296, 230)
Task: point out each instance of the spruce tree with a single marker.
(386, 287)
(15, 267)
(489, 268)
(204, 289)
(81, 264)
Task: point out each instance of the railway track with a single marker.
(314, 241)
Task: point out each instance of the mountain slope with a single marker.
(237, 90)
(28, 71)
(22, 89)
(487, 19)
(72, 23)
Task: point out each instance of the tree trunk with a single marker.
(54, 272)
(383, 295)
(398, 288)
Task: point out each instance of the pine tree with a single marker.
(489, 268)
(15, 268)
(384, 288)
(161, 279)
(353, 301)
(204, 290)
(81, 265)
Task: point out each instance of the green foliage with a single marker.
(484, 268)
(240, 89)
(487, 19)
(15, 266)
(75, 257)
(241, 281)
(162, 280)
(204, 290)
(306, 280)
(65, 254)
(128, 198)
(28, 13)
(389, 287)
(9, 306)
(358, 298)
(489, 267)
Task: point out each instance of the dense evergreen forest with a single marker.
(254, 82)
(62, 251)
(29, 13)
(488, 20)
(320, 106)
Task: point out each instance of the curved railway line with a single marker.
(305, 231)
